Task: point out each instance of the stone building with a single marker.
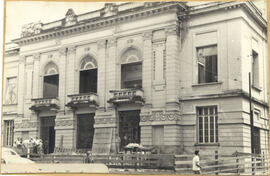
(168, 74)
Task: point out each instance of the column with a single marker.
(147, 67)
(172, 65)
(101, 91)
(21, 86)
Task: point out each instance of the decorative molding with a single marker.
(26, 124)
(112, 42)
(87, 49)
(71, 50)
(89, 25)
(105, 120)
(71, 18)
(31, 29)
(58, 42)
(36, 56)
(110, 9)
(161, 116)
(172, 30)
(62, 51)
(61, 123)
(101, 44)
(148, 35)
(22, 59)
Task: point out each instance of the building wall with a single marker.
(169, 74)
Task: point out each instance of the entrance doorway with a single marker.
(129, 127)
(85, 131)
(47, 133)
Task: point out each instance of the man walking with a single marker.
(196, 163)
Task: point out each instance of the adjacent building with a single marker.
(169, 74)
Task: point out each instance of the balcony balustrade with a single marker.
(123, 96)
(83, 100)
(39, 104)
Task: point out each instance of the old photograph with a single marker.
(168, 87)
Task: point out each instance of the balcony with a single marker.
(127, 96)
(41, 104)
(83, 100)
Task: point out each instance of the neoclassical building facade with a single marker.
(169, 74)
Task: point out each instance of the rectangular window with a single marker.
(207, 64)
(158, 135)
(50, 88)
(131, 75)
(207, 124)
(255, 69)
(257, 140)
(8, 132)
(88, 81)
(11, 92)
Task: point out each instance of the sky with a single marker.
(19, 13)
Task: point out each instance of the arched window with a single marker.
(131, 69)
(50, 81)
(88, 75)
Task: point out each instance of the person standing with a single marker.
(196, 163)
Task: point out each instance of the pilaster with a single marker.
(62, 77)
(36, 73)
(159, 65)
(101, 91)
(111, 67)
(147, 67)
(172, 65)
(21, 85)
(71, 72)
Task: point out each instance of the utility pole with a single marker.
(251, 115)
(251, 125)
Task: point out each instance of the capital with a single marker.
(62, 51)
(148, 35)
(36, 56)
(172, 30)
(71, 49)
(101, 44)
(22, 59)
(112, 42)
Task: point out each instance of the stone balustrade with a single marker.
(39, 104)
(127, 96)
(83, 99)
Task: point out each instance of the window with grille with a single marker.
(207, 124)
(8, 132)
(207, 64)
(255, 69)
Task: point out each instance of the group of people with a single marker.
(33, 143)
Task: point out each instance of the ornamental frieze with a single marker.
(161, 116)
(104, 120)
(61, 123)
(26, 124)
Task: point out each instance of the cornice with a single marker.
(247, 6)
(122, 17)
(12, 52)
